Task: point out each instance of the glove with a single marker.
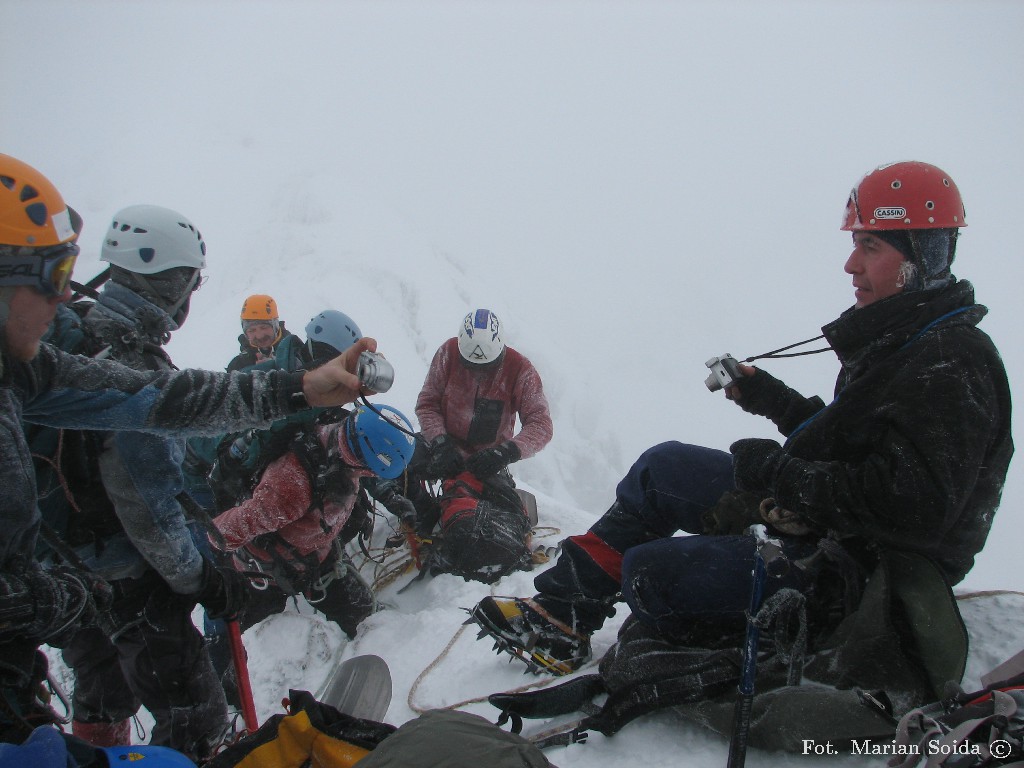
(445, 459)
(64, 601)
(399, 506)
(783, 520)
(395, 503)
(490, 461)
(733, 513)
(755, 463)
(224, 592)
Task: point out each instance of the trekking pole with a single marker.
(242, 675)
(769, 559)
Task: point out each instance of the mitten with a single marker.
(445, 459)
(63, 601)
(394, 502)
(492, 460)
(224, 592)
(755, 463)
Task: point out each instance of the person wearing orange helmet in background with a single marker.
(264, 338)
(909, 458)
(39, 384)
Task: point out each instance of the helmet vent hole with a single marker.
(28, 192)
(896, 184)
(140, 231)
(930, 205)
(125, 227)
(7, 181)
(37, 213)
(147, 254)
(945, 182)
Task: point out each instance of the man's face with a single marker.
(260, 335)
(875, 266)
(28, 319)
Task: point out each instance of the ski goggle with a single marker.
(48, 270)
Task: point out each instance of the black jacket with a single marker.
(913, 451)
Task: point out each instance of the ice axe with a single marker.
(238, 658)
(769, 559)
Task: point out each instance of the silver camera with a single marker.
(374, 372)
(724, 372)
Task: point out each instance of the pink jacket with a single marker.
(281, 504)
(477, 407)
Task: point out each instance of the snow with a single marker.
(633, 187)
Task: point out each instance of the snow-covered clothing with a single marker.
(165, 668)
(282, 504)
(911, 455)
(476, 406)
(294, 525)
(59, 390)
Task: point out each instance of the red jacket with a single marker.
(281, 504)
(477, 405)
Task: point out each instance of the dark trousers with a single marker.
(159, 662)
(669, 582)
(346, 601)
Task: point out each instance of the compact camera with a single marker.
(374, 372)
(724, 372)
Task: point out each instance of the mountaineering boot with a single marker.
(524, 629)
(104, 734)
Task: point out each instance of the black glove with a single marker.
(445, 459)
(490, 461)
(398, 505)
(63, 600)
(755, 463)
(224, 592)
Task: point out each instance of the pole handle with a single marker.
(242, 674)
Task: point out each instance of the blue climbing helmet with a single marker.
(333, 328)
(381, 438)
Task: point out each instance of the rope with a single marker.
(430, 667)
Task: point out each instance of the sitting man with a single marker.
(475, 389)
(910, 456)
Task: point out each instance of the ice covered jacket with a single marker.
(477, 405)
(913, 451)
(283, 504)
(60, 390)
(142, 472)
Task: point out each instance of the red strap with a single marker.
(602, 553)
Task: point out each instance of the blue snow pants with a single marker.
(632, 552)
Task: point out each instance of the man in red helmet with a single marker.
(909, 457)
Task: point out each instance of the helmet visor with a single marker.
(48, 270)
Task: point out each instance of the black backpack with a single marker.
(484, 529)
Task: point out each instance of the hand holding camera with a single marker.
(725, 371)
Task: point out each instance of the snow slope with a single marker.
(633, 187)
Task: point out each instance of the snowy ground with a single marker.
(436, 663)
